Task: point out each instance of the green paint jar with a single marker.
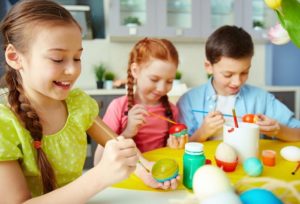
(193, 159)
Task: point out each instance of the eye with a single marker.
(170, 82)
(245, 73)
(227, 75)
(154, 79)
(57, 60)
(77, 59)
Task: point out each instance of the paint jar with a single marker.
(193, 158)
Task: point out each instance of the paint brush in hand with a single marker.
(115, 138)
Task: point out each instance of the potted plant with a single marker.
(178, 77)
(109, 78)
(132, 21)
(99, 72)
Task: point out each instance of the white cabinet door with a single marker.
(178, 18)
(132, 18)
(258, 18)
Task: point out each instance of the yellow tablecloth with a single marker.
(282, 170)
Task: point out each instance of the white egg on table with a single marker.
(210, 181)
(226, 153)
(291, 153)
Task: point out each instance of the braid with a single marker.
(24, 16)
(168, 112)
(21, 106)
(130, 84)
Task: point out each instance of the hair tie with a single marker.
(37, 144)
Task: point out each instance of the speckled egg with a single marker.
(164, 170)
(253, 166)
(291, 153)
(259, 196)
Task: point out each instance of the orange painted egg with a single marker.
(250, 118)
(164, 170)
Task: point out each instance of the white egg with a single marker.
(209, 181)
(225, 153)
(291, 153)
(225, 197)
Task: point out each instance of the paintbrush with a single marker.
(114, 138)
(298, 167)
(162, 117)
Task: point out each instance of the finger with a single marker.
(166, 185)
(126, 143)
(132, 161)
(174, 184)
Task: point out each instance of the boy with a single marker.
(229, 51)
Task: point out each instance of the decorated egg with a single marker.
(178, 130)
(164, 170)
(250, 118)
(291, 153)
(253, 166)
(259, 196)
(226, 153)
(210, 181)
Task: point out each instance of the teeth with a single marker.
(63, 83)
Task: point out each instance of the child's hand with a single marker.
(148, 179)
(118, 161)
(212, 123)
(136, 119)
(177, 142)
(267, 125)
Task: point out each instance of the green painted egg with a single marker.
(164, 170)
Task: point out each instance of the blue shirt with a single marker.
(250, 99)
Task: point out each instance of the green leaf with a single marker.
(290, 18)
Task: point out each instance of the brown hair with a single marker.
(228, 41)
(14, 29)
(142, 52)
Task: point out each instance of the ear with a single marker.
(134, 70)
(12, 57)
(208, 67)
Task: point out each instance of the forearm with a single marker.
(78, 191)
(288, 134)
(199, 136)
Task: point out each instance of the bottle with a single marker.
(193, 158)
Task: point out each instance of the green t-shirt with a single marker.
(65, 150)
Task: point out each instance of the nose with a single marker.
(71, 68)
(236, 80)
(162, 87)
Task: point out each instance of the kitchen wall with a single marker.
(192, 55)
(115, 55)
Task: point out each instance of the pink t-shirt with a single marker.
(150, 136)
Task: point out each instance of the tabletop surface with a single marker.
(133, 186)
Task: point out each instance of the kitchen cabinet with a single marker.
(187, 19)
(169, 18)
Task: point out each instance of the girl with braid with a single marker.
(151, 68)
(44, 123)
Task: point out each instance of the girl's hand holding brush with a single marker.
(119, 160)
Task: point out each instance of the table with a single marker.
(135, 187)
